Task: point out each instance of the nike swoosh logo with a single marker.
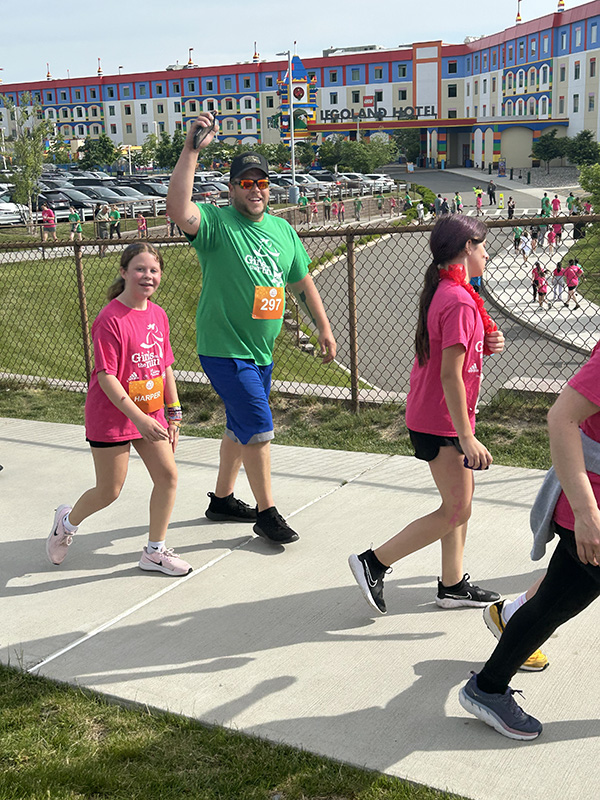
(466, 596)
(370, 580)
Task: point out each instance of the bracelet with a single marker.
(174, 405)
(174, 412)
(175, 422)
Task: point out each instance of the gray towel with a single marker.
(542, 511)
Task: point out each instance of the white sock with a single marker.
(69, 527)
(510, 606)
(155, 547)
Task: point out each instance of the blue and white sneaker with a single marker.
(500, 711)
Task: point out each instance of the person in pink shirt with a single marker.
(555, 205)
(542, 287)
(48, 223)
(125, 405)
(551, 240)
(453, 333)
(572, 275)
(557, 228)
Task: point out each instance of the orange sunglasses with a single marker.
(248, 183)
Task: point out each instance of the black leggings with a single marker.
(568, 588)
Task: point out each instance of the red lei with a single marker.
(456, 273)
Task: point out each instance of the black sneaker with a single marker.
(224, 509)
(370, 580)
(464, 594)
(272, 527)
(500, 711)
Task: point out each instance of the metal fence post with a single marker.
(352, 319)
(85, 330)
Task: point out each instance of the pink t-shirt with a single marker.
(556, 204)
(48, 217)
(134, 346)
(572, 275)
(587, 383)
(551, 236)
(453, 318)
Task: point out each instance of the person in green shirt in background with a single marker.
(357, 208)
(75, 221)
(303, 206)
(327, 208)
(247, 258)
(115, 221)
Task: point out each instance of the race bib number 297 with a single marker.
(268, 302)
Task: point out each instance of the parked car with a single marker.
(145, 203)
(146, 187)
(102, 194)
(55, 199)
(91, 181)
(215, 186)
(79, 201)
(356, 180)
(53, 183)
(382, 183)
(11, 213)
(203, 193)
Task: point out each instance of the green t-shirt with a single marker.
(237, 255)
(327, 200)
(74, 218)
(570, 201)
(115, 215)
(303, 201)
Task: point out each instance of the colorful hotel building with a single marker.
(473, 103)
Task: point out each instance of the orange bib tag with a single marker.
(147, 395)
(268, 302)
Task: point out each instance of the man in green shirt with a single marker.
(75, 224)
(247, 257)
(357, 208)
(327, 208)
(115, 221)
(303, 206)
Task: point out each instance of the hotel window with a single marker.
(468, 89)
(144, 127)
(493, 111)
(191, 86)
(476, 87)
(521, 50)
(378, 73)
(355, 97)
(591, 102)
(494, 58)
(143, 108)
(49, 97)
(129, 128)
(469, 64)
(521, 79)
(379, 97)
(312, 76)
(402, 70)
(333, 76)
(80, 130)
(229, 125)
(77, 94)
(249, 124)
(510, 80)
(111, 111)
(210, 105)
(484, 111)
(401, 94)
(160, 109)
(178, 126)
(127, 110)
(452, 67)
(484, 90)
(161, 127)
(113, 128)
(246, 83)
(484, 60)
(544, 74)
(79, 112)
(126, 91)
(191, 106)
(177, 107)
(92, 94)
(229, 105)
(533, 46)
(333, 98)
(248, 104)
(476, 63)
(95, 130)
(578, 37)
(355, 74)
(227, 84)
(94, 111)
(577, 70)
(475, 111)
(510, 52)
(110, 92)
(452, 90)
(594, 32)
(544, 105)
(269, 102)
(50, 114)
(561, 105)
(63, 95)
(563, 72)
(532, 107)
(468, 111)
(269, 82)
(159, 88)
(493, 84)
(546, 44)
(563, 41)
(142, 91)
(452, 113)
(575, 103)
(209, 86)
(592, 67)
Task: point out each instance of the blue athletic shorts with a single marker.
(244, 388)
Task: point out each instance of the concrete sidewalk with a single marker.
(279, 642)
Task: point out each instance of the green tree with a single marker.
(330, 152)
(305, 153)
(177, 146)
(549, 147)
(99, 153)
(29, 147)
(408, 142)
(589, 180)
(164, 151)
(583, 149)
(146, 156)
(59, 151)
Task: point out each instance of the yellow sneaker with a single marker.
(492, 616)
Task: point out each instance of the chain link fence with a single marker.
(369, 276)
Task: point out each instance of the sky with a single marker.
(151, 34)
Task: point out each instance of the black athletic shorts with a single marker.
(427, 445)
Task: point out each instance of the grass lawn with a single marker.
(586, 252)
(19, 233)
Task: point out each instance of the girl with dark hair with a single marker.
(131, 381)
(454, 331)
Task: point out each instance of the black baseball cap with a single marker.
(247, 161)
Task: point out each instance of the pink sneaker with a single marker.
(164, 561)
(59, 539)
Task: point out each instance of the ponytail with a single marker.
(430, 284)
(116, 288)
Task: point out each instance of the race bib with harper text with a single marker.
(148, 395)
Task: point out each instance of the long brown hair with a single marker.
(448, 239)
(118, 285)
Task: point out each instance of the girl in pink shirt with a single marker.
(131, 381)
(453, 332)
